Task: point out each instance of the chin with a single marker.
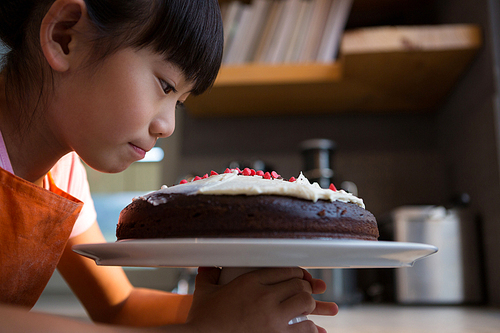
(109, 168)
(116, 169)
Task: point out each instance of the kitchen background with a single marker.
(396, 157)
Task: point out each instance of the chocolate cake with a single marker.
(247, 204)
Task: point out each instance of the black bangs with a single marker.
(191, 38)
(187, 32)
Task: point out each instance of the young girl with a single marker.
(101, 79)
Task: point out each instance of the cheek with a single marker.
(139, 107)
(124, 94)
(125, 109)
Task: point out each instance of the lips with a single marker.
(139, 151)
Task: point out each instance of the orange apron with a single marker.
(35, 225)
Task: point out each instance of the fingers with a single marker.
(287, 289)
(299, 304)
(276, 275)
(325, 309)
(318, 286)
(321, 329)
(305, 326)
(270, 276)
(268, 297)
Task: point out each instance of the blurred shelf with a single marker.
(382, 69)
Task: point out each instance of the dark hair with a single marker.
(187, 32)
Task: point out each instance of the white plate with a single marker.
(253, 252)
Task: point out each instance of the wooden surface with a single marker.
(411, 319)
(354, 319)
(379, 70)
(261, 74)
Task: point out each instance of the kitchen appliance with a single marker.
(452, 275)
(318, 156)
(318, 167)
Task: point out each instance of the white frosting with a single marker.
(235, 184)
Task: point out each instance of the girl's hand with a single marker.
(319, 287)
(262, 300)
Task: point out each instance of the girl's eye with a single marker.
(167, 88)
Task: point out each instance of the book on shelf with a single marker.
(283, 31)
(261, 12)
(239, 31)
(270, 25)
(298, 37)
(335, 24)
(315, 31)
(231, 13)
(247, 32)
(282, 34)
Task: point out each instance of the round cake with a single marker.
(247, 204)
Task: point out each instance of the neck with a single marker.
(32, 150)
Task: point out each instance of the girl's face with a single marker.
(113, 114)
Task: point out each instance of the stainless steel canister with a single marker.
(452, 275)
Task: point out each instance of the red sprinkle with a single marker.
(227, 170)
(183, 181)
(267, 175)
(253, 172)
(197, 178)
(292, 179)
(213, 173)
(260, 173)
(332, 187)
(275, 174)
(205, 176)
(246, 172)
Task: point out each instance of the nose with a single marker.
(163, 124)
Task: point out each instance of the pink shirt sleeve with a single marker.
(70, 176)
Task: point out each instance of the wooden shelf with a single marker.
(379, 70)
(261, 74)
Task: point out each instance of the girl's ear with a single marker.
(57, 33)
